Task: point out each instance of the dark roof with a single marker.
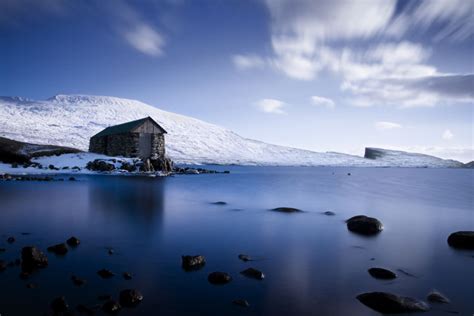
(126, 127)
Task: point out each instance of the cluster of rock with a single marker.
(197, 262)
(12, 177)
(33, 259)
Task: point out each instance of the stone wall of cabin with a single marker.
(158, 146)
(125, 145)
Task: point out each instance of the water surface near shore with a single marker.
(312, 264)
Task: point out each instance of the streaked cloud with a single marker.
(383, 125)
(322, 101)
(248, 61)
(271, 106)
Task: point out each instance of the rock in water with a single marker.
(59, 249)
(286, 210)
(380, 273)
(59, 306)
(73, 242)
(111, 307)
(78, 281)
(130, 298)
(253, 273)
(32, 258)
(106, 274)
(364, 225)
(3, 265)
(388, 303)
(83, 309)
(219, 203)
(245, 257)
(192, 262)
(127, 275)
(241, 302)
(329, 213)
(219, 278)
(462, 240)
(11, 240)
(437, 297)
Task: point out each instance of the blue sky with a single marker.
(322, 75)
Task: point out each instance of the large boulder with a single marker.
(388, 303)
(32, 257)
(192, 262)
(100, 165)
(253, 273)
(162, 164)
(462, 240)
(437, 297)
(130, 298)
(219, 278)
(364, 225)
(381, 273)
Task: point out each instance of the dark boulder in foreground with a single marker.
(388, 303)
(73, 241)
(59, 306)
(106, 274)
(190, 263)
(241, 302)
(364, 225)
(437, 297)
(253, 273)
(462, 240)
(130, 298)
(59, 249)
(286, 210)
(32, 258)
(380, 273)
(111, 307)
(219, 278)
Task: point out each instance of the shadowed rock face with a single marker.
(437, 297)
(364, 225)
(388, 303)
(462, 240)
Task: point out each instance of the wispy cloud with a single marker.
(271, 106)
(243, 62)
(322, 101)
(145, 39)
(383, 125)
(447, 135)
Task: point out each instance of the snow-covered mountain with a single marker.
(70, 120)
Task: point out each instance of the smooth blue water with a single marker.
(313, 265)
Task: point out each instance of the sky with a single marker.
(321, 75)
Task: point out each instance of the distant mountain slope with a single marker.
(70, 120)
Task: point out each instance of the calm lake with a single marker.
(313, 265)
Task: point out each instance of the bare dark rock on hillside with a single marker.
(364, 225)
(388, 303)
(462, 240)
(219, 278)
(190, 263)
(100, 165)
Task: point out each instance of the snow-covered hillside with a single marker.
(70, 120)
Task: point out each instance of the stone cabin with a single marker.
(142, 138)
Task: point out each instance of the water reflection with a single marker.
(137, 201)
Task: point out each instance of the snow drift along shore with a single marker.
(70, 120)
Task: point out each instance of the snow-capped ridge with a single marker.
(70, 120)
